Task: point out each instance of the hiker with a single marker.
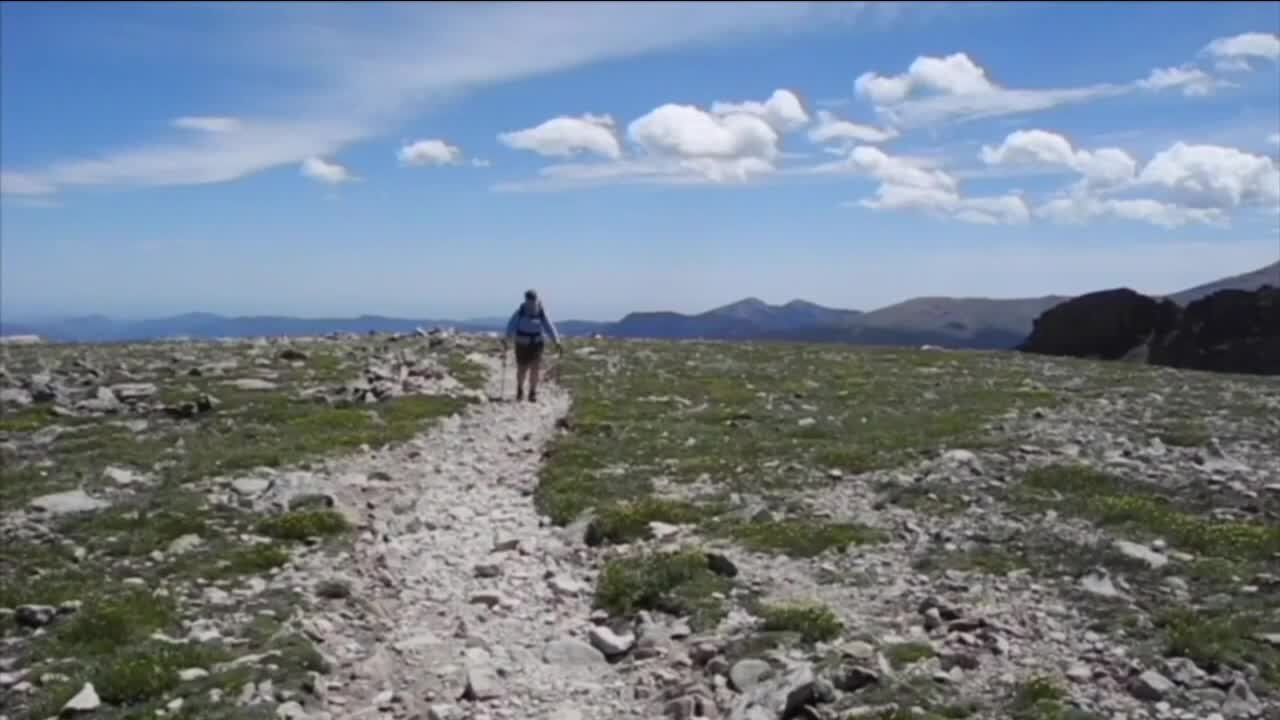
(527, 326)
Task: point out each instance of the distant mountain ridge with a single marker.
(975, 323)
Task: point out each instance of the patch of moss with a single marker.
(300, 525)
(814, 623)
(25, 420)
(908, 653)
(679, 583)
(259, 558)
(105, 624)
(800, 538)
(1111, 501)
(628, 520)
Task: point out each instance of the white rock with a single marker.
(85, 701)
(610, 643)
(67, 503)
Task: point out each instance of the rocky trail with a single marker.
(474, 607)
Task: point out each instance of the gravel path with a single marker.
(473, 606)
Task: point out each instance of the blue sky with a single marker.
(433, 160)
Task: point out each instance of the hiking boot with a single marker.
(533, 396)
(519, 394)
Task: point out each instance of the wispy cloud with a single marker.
(367, 72)
(207, 123)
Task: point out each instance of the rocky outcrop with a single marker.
(1229, 331)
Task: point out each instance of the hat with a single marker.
(530, 294)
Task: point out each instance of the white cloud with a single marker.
(365, 78)
(688, 132)
(1233, 53)
(1274, 138)
(1215, 176)
(935, 90)
(1007, 209)
(325, 171)
(480, 163)
(568, 136)
(1193, 81)
(954, 74)
(1079, 208)
(830, 127)
(783, 110)
(430, 152)
(1043, 148)
(13, 183)
(207, 123)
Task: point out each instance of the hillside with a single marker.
(1269, 275)
(311, 528)
(976, 323)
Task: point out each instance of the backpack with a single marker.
(537, 314)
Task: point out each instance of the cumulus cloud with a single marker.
(430, 152)
(1043, 148)
(568, 136)
(1214, 176)
(954, 87)
(1274, 138)
(325, 171)
(1079, 208)
(1008, 209)
(480, 163)
(1234, 53)
(912, 184)
(783, 110)
(207, 123)
(833, 128)
(1193, 81)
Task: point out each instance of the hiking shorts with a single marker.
(528, 353)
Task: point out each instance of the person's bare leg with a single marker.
(535, 370)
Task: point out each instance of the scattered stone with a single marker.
(133, 392)
(1151, 686)
(68, 503)
(35, 616)
(610, 643)
(250, 487)
(1141, 553)
(572, 653)
(85, 701)
(252, 384)
(746, 674)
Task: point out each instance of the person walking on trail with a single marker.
(527, 326)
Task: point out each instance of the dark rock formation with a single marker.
(1107, 325)
(1228, 331)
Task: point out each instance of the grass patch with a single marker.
(727, 415)
(814, 623)
(105, 624)
(1111, 501)
(987, 560)
(25, 420)
(471, 374)
(800, 538)
(1185, 433)
(255, 559)
(1040, 699)
(908, 653)
(1218, 640)
(628, 520)
(678, 583)
(301, 525)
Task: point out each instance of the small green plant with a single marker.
(679, 583)
(304, 524)
(628, 520)
(909, 653)
(259, 558)
(801, 538)
(814, 623)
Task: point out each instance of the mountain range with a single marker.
(976, 323)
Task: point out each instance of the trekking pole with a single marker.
(502, 394)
